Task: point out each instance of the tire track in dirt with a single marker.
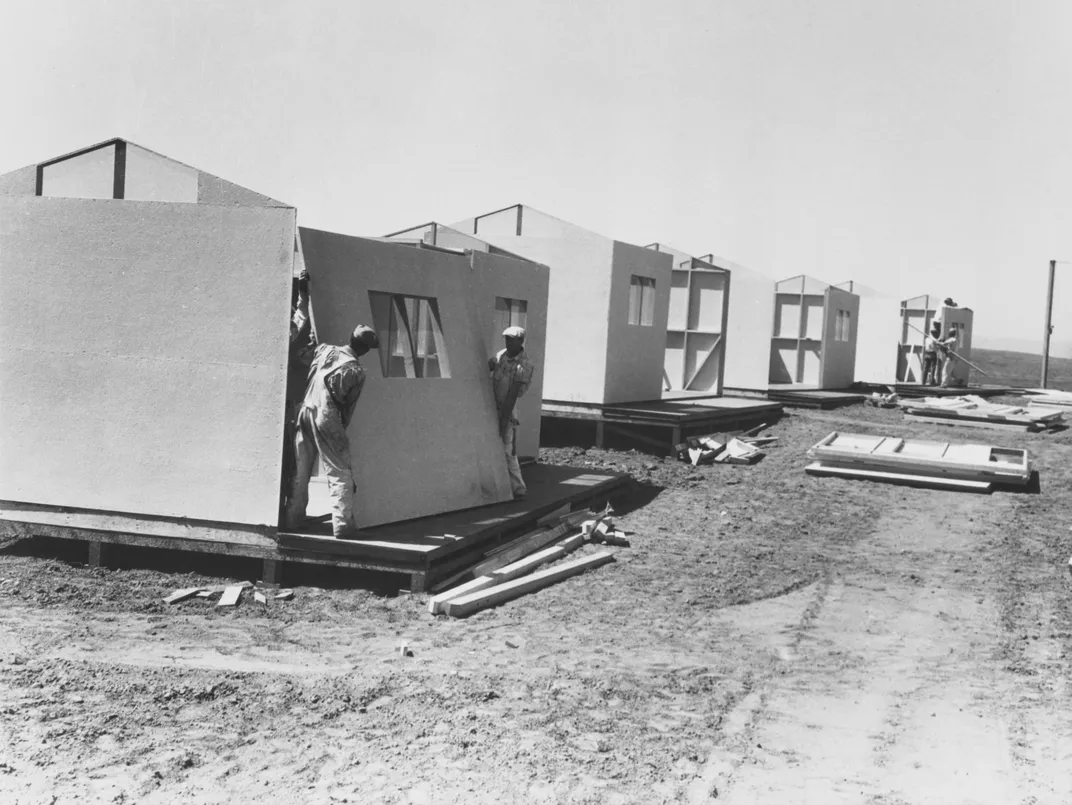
(886, 701)
(739, 721)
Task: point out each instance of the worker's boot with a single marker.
(352, 533)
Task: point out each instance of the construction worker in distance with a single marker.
(949, 358)
(331, 393)
(511, 375)
(930, 356)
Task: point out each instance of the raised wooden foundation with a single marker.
(916, 390)
(425, 549)
(813, 398)
(671, 420)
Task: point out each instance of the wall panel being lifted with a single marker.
(143, 350)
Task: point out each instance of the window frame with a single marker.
(641, 311)
(413, 324)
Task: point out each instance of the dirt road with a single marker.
(768, 638)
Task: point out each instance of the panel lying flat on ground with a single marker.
(965, 462)
(817, 468)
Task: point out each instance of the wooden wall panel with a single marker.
(420, 446)
(143, 352)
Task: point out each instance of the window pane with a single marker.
(426, 344)
(634, 300)
(502, 314)
(518, 312)
(381, 321)
(411, 339)
(647, 302)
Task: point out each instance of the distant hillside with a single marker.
(1032, 346)
(1019, 369)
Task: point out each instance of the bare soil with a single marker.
(768, 637)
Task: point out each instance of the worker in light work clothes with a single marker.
(331, 393)
(949, 358)
(930, 355)
(511, 376)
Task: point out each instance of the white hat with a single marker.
(514, 332)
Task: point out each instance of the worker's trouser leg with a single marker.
(327, 437)
(930, 367)
(334, 447)
(517, 483)
(947, 372)
(304, 457)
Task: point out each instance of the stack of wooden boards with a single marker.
(975, 412)
(731, 448)
(511, 571)
(971, 467)
(1049, 398)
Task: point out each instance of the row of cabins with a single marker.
(628, 324)
(148, 302)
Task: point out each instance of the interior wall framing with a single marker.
(696, 324)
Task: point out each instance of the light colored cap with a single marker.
(514, 332)
(365, 335)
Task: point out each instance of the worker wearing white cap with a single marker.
(511, 376)
(331, 393)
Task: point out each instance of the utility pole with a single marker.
(1049, 325)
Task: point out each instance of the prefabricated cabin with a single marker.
(696, 323)
(814, 340)
(607, 305)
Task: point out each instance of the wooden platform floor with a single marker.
(794, 396)
(672, 419)
(426, 549)
(915, 390)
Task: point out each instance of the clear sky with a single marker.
(916, 147)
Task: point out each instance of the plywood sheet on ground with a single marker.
(143, 350)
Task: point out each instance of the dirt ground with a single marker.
(768, 637)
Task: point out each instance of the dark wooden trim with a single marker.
(80, 151)
(476, 220)
(119, 183)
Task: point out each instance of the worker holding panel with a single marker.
(511, 375)
(335, 381)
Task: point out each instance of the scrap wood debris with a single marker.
(972, 410)
(511, 571)
(230, 594)
(1049, 397)
(730, 448)
(879, 400)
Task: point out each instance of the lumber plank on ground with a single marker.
(520, 548)
(552, 516)
(499, 594)
(182, 595)
(818, 468)
(958, 422)
(437, 603)
(230, 595)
